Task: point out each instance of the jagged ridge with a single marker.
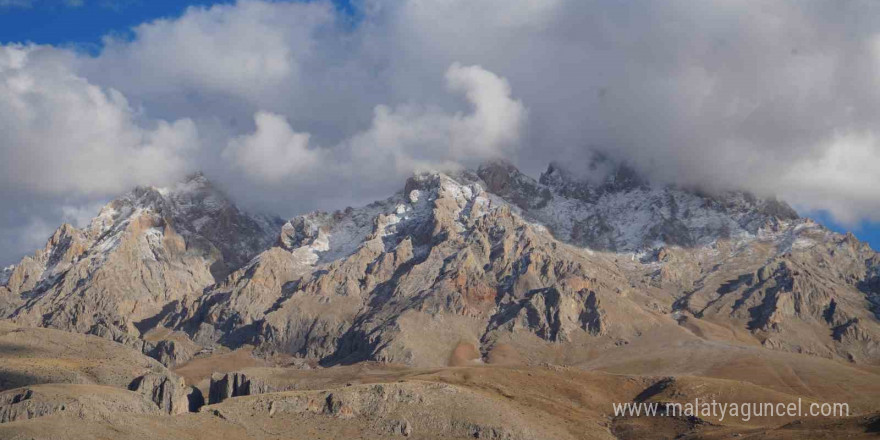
(144, 250)
(491, 260)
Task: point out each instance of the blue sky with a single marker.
(82, 23)
(425, 38)
(60, 22)
(865, 231)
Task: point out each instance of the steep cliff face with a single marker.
(458, 267)
(812, 296)
(490, 259)
(146, 250)
(409, 278)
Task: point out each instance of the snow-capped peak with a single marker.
(618, 210)
(194, 209)
(320, 237)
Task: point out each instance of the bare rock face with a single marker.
(446, 261)
(88, 402)
(170, 352)
(406, 279)
(224, 386)
(168, 391)
(8, 301)
(402, 410)
(143, 253)
(552, 267)
(555, 316)
(812, 299)
(503, 179)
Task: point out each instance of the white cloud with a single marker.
(273, 153)
(248, 52)
(497, 122)
(66, 136)
(412, 136)
(779, 99)
(843, 176)
(717, 94)
(80, 215)
(398, 141)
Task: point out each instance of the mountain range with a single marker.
(601, 270)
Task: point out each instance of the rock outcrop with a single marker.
(399, 410)
(226, 385)
(169, 392)
(86, 402)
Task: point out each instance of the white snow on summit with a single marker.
(5, 273)
(321, 237)
(623, 213)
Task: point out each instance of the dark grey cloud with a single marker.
(291, 107)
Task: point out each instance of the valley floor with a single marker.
(250, 398)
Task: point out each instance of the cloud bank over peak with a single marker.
(64, 135)
(274, 152)
(398, 141)
(293, 106)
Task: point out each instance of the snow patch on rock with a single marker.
(5, 273)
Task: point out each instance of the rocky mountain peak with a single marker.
(144, 250)
(430, 201)
(195, 195)
(482, 256)
(602, 176)
(198, 192)
(606, 176)
(489, 257)
(502, 178)
(200, 212)
(612, 207)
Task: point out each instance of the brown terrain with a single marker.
(478, 304)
